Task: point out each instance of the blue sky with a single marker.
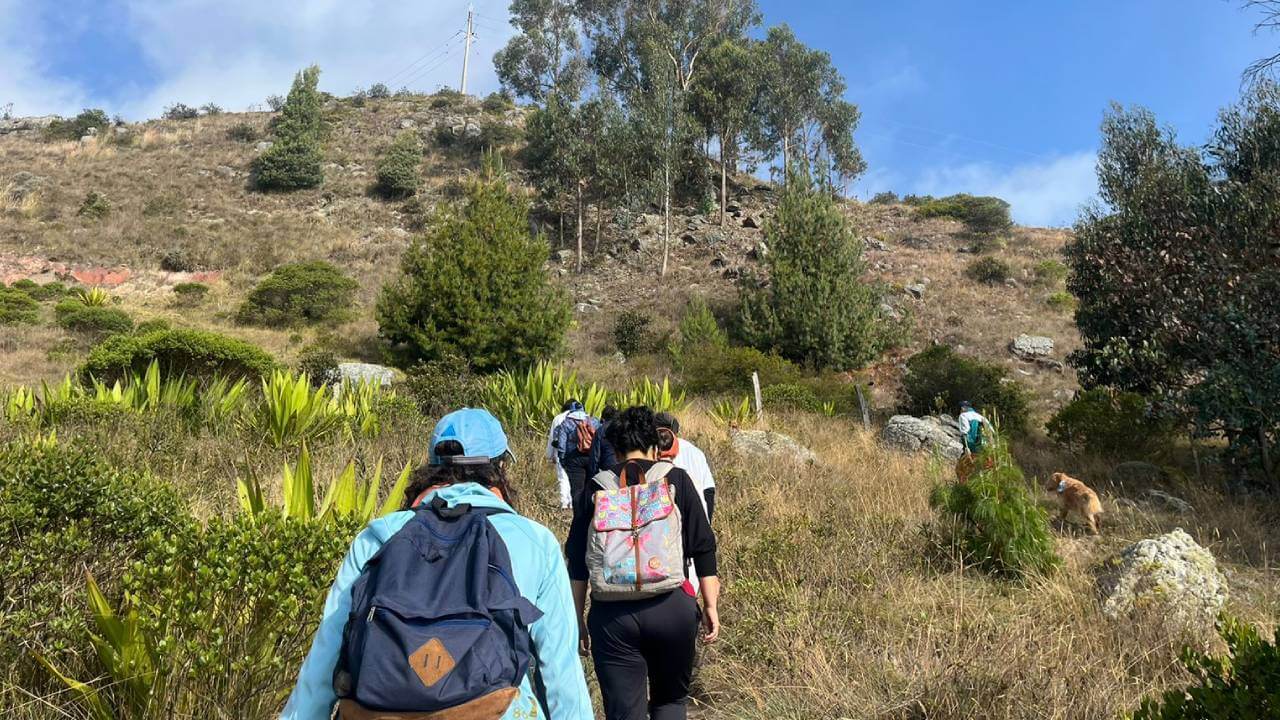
(984, 96)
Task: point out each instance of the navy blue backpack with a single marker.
(437, 623)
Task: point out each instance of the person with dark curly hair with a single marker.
(643, 645)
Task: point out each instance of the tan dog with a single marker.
(1074, 497)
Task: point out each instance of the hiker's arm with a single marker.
(313, 696)
(710, 496)
(710, 589)
(555, 637)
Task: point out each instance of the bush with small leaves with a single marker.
(379, 91)
(52, 290)
(288, 165)
(709, 368)
(210, 109)
(177, 260)
(74, 315)
(26, 285)
(887, 197)
(147, 327)
(497, 102)
(1062, 301)
(77, 127)
(95, 206)
(982, 215)
(398, 173)
(193, 353)
(440, 386)
(18, 308)
(190, 294)
(631, 334)
(300, 293)
(275, 102)
(180, 111)
(320, 364)
(791, 396)
(1050, 272)
(446, 97)
(1109, 422)
(988, 270)
(939, 379)
(243, 132)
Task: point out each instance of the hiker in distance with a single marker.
(636, 530)
(553, 457)
(688, 457)
(444, 609)
(573, 439)
(972, 424)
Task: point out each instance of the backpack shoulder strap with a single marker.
(606, 479)
(659, 470)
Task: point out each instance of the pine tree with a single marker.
(294, 161)
(398, 172)
(474, 287)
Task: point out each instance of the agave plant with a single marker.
(346, 496)
(292, 411)
(359, 404)
(148, 391)
(93, 297)
(128, 656)
(731, 414)
(19, 405)
(658, 398)
(222, 400)
(530, 400)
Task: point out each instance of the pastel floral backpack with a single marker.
(634, 546)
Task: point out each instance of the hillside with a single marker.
(180, 188)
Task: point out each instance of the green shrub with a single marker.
(993, 520)
(18, 308)
(1062, 301)
(53, 290)
(243, 132)
(76, 316)
(398, 173)
(938, 380)
(63, 511)
(982, 215)
(495, 134)
(989, 270)
(25, 285)
(303, 292)
(180, 111)
(320, 365)
(631, 333)
(496, 102)
(211, 109)
(77, 127)
(190, 293)
(153, 325)
(177, 260)
(698, 326)
(887, 197)
(1109, 422)
(1240, 684)
(446, 97)
(95, 206)
(719, 368)
(474, 286)
(816, 309)
(378, 91)
(1050, 272)
(294, 161)
(193, 353)
(444, 385)
(790, 396)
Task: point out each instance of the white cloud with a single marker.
(1046, 192)
(237, 52)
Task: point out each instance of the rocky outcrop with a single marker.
(26, 125)
(1161, 500)
(770, 445)
(927, 434)
(1170, 575)
(365, 372)
(1031, 347)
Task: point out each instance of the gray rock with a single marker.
(1029, 347)
(26, 124)
(1136, 472)
(226, 172)
(1169, 503)
(1170, 575)
(620, 358)
(471, 130)
(890, 311)
(874, 244)
(916, 290)
(354, 372)
(928, 434)
(770, 445)
(407, 124)
(584, 307)
(263, 146)
(86, 139)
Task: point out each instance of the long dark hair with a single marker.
(491, 475)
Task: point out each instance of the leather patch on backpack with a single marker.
(431, 662)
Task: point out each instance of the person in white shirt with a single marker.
(688, 457)
(553, 456)
(972, 424)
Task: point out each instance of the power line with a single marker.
(431, 55)
(434, 65)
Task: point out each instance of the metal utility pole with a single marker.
(466, 51)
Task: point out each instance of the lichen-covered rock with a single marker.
(1170, 575)
(1169, 503)
(927, 434)
(365, 372)
(770, 445)
(1029, 347)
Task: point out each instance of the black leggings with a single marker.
(644, 652)
(576, 465)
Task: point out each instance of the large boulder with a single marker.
(1030, 347)
(1170, 575)
(770, 446)
(354, 372)
(927, 434)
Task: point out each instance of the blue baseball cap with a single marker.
(479, 433)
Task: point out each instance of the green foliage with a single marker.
(444, 385)
(474, 287)
(546, 56)
(347, 498)
(1062, 301)
(993, 520)
(1240, 684)
(379, 91)
(77, 127)
(95, 206)
(658, 397)
(153, 325)
(446, 97)
(180, 111)
(631, 333)
(93, 297)
(193, 353)
(722, 368)
(532, 398)
(888, 197)
(243, 132)
(398, 173)
(938, 379)
(298, 293)
(294, 161)
(982, 215)
(1176, 273)
(698, 326)
(18, 308)
(497, 102)
(77, 317)
(190, 294)
(815, 310)
(1109, 422)
(729, 413)
(1050, 272)
(791, 396)
(989, 270)
(177, 260)
(320, 364)
(292, 411)
(53, 290)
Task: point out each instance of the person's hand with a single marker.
(584, 640)
(711, 623)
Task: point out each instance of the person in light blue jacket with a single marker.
(536, 562)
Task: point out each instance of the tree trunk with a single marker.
(599, 226)
(560, 239)
(579, 211)
(1267, 467)
(724, 184)
(786, 158)
(666, 215)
